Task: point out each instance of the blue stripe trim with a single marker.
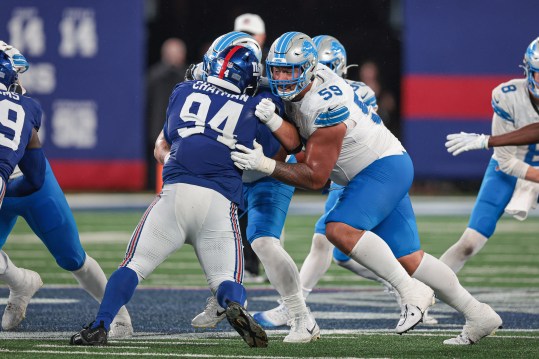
(318, 39)
(284, 40)
(502, 113)
(333, 117)
(227, 40)
(371, 101)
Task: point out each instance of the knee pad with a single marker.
(71, 263)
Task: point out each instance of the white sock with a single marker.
(93, 280)
(280, 268)
(360, 270)
(9, 272)
(469, 244)
(372, 252)
(445, 283)
(316, 264)
(295, 304)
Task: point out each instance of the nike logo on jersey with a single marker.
(312, 329)
(220, 313)
(363, 96)
(331, 108)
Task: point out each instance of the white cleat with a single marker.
(484, 321)
(120, 329)
(213, 313)
(303, 329)
(19, 298)
(275, 317)
(416, 299)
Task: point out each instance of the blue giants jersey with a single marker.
(203, 125)
(18, 116)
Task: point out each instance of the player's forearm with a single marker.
(523, 136)
(298, 175)
(161, 149)
(288, 136)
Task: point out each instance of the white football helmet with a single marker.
(331, 53)
(531, 65)
(296, 51)
(226, 40)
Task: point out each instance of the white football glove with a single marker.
(462, 142)
(265, 111)
(19, 62)
(252, 159)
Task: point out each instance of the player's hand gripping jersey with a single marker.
(513, 109)
(203, 125)
(331, 101)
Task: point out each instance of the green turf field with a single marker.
(508, 261)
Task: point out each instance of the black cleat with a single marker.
(246, 326)
(89, 336)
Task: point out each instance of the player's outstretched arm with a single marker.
(523, 136)
(284, 131)
(321, 154)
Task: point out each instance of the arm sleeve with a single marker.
(32, 165)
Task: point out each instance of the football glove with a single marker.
(252, 159)
(462, 142)
(265, 111)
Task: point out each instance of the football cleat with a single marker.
(251, 332)
(484, 321)
(275, 317)
(213, 314)
(416, 299)
(19, 297)
(120, 330)
(90, 336)
(303, 329)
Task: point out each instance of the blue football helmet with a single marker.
(331, 53)
(295, 51)
(531, 65)
(235, 69)
(226, 40)
(8, 73)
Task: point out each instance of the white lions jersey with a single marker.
(364, 93)
(331, 101)
(514, 109)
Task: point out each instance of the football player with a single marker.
(267, 201)
(35, 195)
(373, 220)
(199, 201)
(516, 105)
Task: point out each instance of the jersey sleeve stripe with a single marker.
(502, 113)
(332, 117)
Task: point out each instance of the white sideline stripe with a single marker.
(71, 346)
(186, 342)
(148, 336)
(3, 301)
(93, 353)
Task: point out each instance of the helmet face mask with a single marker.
(226, 40)
(8, 73)
(531, 67)
(291, 64)
(236, 69)
(331, 53)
